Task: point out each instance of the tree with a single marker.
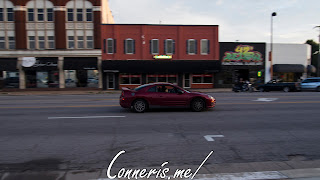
(315, 53)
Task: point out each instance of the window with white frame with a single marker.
(1, 14)
(71, 42)
(51, 44)
(10, 15)
(169, 46)
(154, 46)
(12, 42)
(32, 42)
(129, 46)
(80, 42)
(49, 14)
(41, 42)
(70, 14)
(89, 14)
(90, 42)
(2, 42)
(202, 79)
(30, 14)
(192, 46)
(40, 14)
(130, 79)
(204, 46)
(110, 46)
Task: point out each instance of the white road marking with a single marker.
(86, 117)
(266, 99)
(210, 137)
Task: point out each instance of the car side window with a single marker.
(153, 89)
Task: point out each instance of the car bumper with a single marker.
(124, 103)
(210, 103)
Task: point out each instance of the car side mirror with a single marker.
(180, 92)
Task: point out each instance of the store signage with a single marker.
(32, 62)
(243, 55)
(28, 61)
(162, 56)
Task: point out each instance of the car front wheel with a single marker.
(140, 106)
(261, 89)
(198, 105)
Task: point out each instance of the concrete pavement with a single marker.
(82, 133)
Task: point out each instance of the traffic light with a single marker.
(259, 74)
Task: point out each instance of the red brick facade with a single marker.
(142, 34)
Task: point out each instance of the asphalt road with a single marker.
(87, 131)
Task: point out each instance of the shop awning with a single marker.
(161, 66)
(8, 64)
(80, 63)
(311, 69)
(286, 68)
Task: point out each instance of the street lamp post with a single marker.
(271, 46)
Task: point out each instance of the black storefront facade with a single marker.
(241, 61)
(9, 79)
(184, 73)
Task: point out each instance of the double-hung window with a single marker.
(50, 14)
(70, 14)
(32, 42)
(129, 46)
(2, 43)
(191, 46)
(204, 46)
(155, 46)
(40, 14)
(12, 42)
(30, 14)
(10, 14)
(169, 46)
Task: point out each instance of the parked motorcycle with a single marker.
(243, 87)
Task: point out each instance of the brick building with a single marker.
(133, 54)
(51, 43)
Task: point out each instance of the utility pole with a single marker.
(271, 46)
(318, 63)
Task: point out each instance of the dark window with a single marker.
(110, 46)
(30, 15)
(192, 46)
(153, 89)
(50, 14)
(89, 14)
(196, 79)
(2, 43)
(10, 14)
(1, 14)
(79, 15)
(70, 14)
(169, 46)
(207, 79)
(155, 46)
(32, 42)
(129, 46)
(40, 15)
(12, 43)
(90, 42)
(135, 80)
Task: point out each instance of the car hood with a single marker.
(199, 93)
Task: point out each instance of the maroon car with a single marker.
(164, 94)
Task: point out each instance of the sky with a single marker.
(238, 20)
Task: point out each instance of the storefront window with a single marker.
(42, 79)
(130, 79)
(170, 78)
(201, 78)
(81, 78)
(11, 79)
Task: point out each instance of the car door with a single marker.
(172, 96)
(154, 95)
(306, 84)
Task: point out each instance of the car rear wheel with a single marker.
(286, 89)
(198, 105)
(140, 106)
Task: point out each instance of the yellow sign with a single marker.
(162, 56)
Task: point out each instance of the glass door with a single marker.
(110, 81)
(187, 80)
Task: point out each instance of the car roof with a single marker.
(314, 78)
(160, 83)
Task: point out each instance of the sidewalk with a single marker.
(88, 92)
